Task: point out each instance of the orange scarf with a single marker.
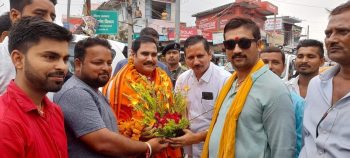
(228, 136)
(116, 89)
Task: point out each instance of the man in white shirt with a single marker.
(21, 8)
(202, 83)
(310, 56)
(326, 122)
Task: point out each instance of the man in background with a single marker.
(21, 8)
(274, 58)
(5, 25)
(171, 52)
(310, 57)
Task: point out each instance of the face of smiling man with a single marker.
(145, 59)
(95, 68)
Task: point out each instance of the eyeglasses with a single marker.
(243, 43)
(323, 117)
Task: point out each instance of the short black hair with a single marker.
(5, 22)
(20, 4)
(237, 22)
(136, 44)
(192, 40)
(82, 45)
(274, 49)
(28, 31)
(148, 31)
(341, 8)
(311, 43)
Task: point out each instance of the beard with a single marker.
(43, 84)
(93, 82)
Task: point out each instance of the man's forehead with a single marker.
(239, 32)
(270, 55)
(46, 5)
(339, 21)
(308, 50)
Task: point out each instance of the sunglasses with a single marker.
(243, 43)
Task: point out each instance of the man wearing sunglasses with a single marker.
(326, 122)
(253, 114)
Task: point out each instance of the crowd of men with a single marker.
(249, 113)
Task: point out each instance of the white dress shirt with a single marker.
(7, 69)
(200, 108)
(333, 139)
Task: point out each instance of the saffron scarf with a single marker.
(116, 89)
(228, 136)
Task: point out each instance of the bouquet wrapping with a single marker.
(157, 112)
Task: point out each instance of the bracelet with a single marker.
(150, 149)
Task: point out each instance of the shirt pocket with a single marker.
(207, 109)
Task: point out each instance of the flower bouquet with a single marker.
(160, 111)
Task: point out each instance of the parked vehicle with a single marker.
(289, 70)
(117, 48)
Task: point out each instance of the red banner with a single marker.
(184, 33)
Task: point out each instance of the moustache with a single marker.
(304, 65)
(238, 56)
(57, 74)
(149, 63)
(197, 66)
(104, 73)
(335, 46)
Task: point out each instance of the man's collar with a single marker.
(23, 100)
(330, 73)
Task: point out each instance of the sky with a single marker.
(312, 12)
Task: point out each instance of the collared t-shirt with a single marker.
(7, 69)
(333, 140)
(26, 134)
(266, 125)
(200, 108)
(85, 111)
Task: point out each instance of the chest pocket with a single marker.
(207, 109)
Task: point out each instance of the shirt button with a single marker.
(320, 152)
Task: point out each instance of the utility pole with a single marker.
(130, 23)
(308, 32)
(177, 21)
(274, 30)
(88, 7)
(68, 14)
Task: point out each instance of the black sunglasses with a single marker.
(243, 43)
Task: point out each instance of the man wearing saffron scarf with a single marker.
(143, 62)
(253, 114)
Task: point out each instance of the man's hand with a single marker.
(146, 133)
(157, 145)
(188, 139)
